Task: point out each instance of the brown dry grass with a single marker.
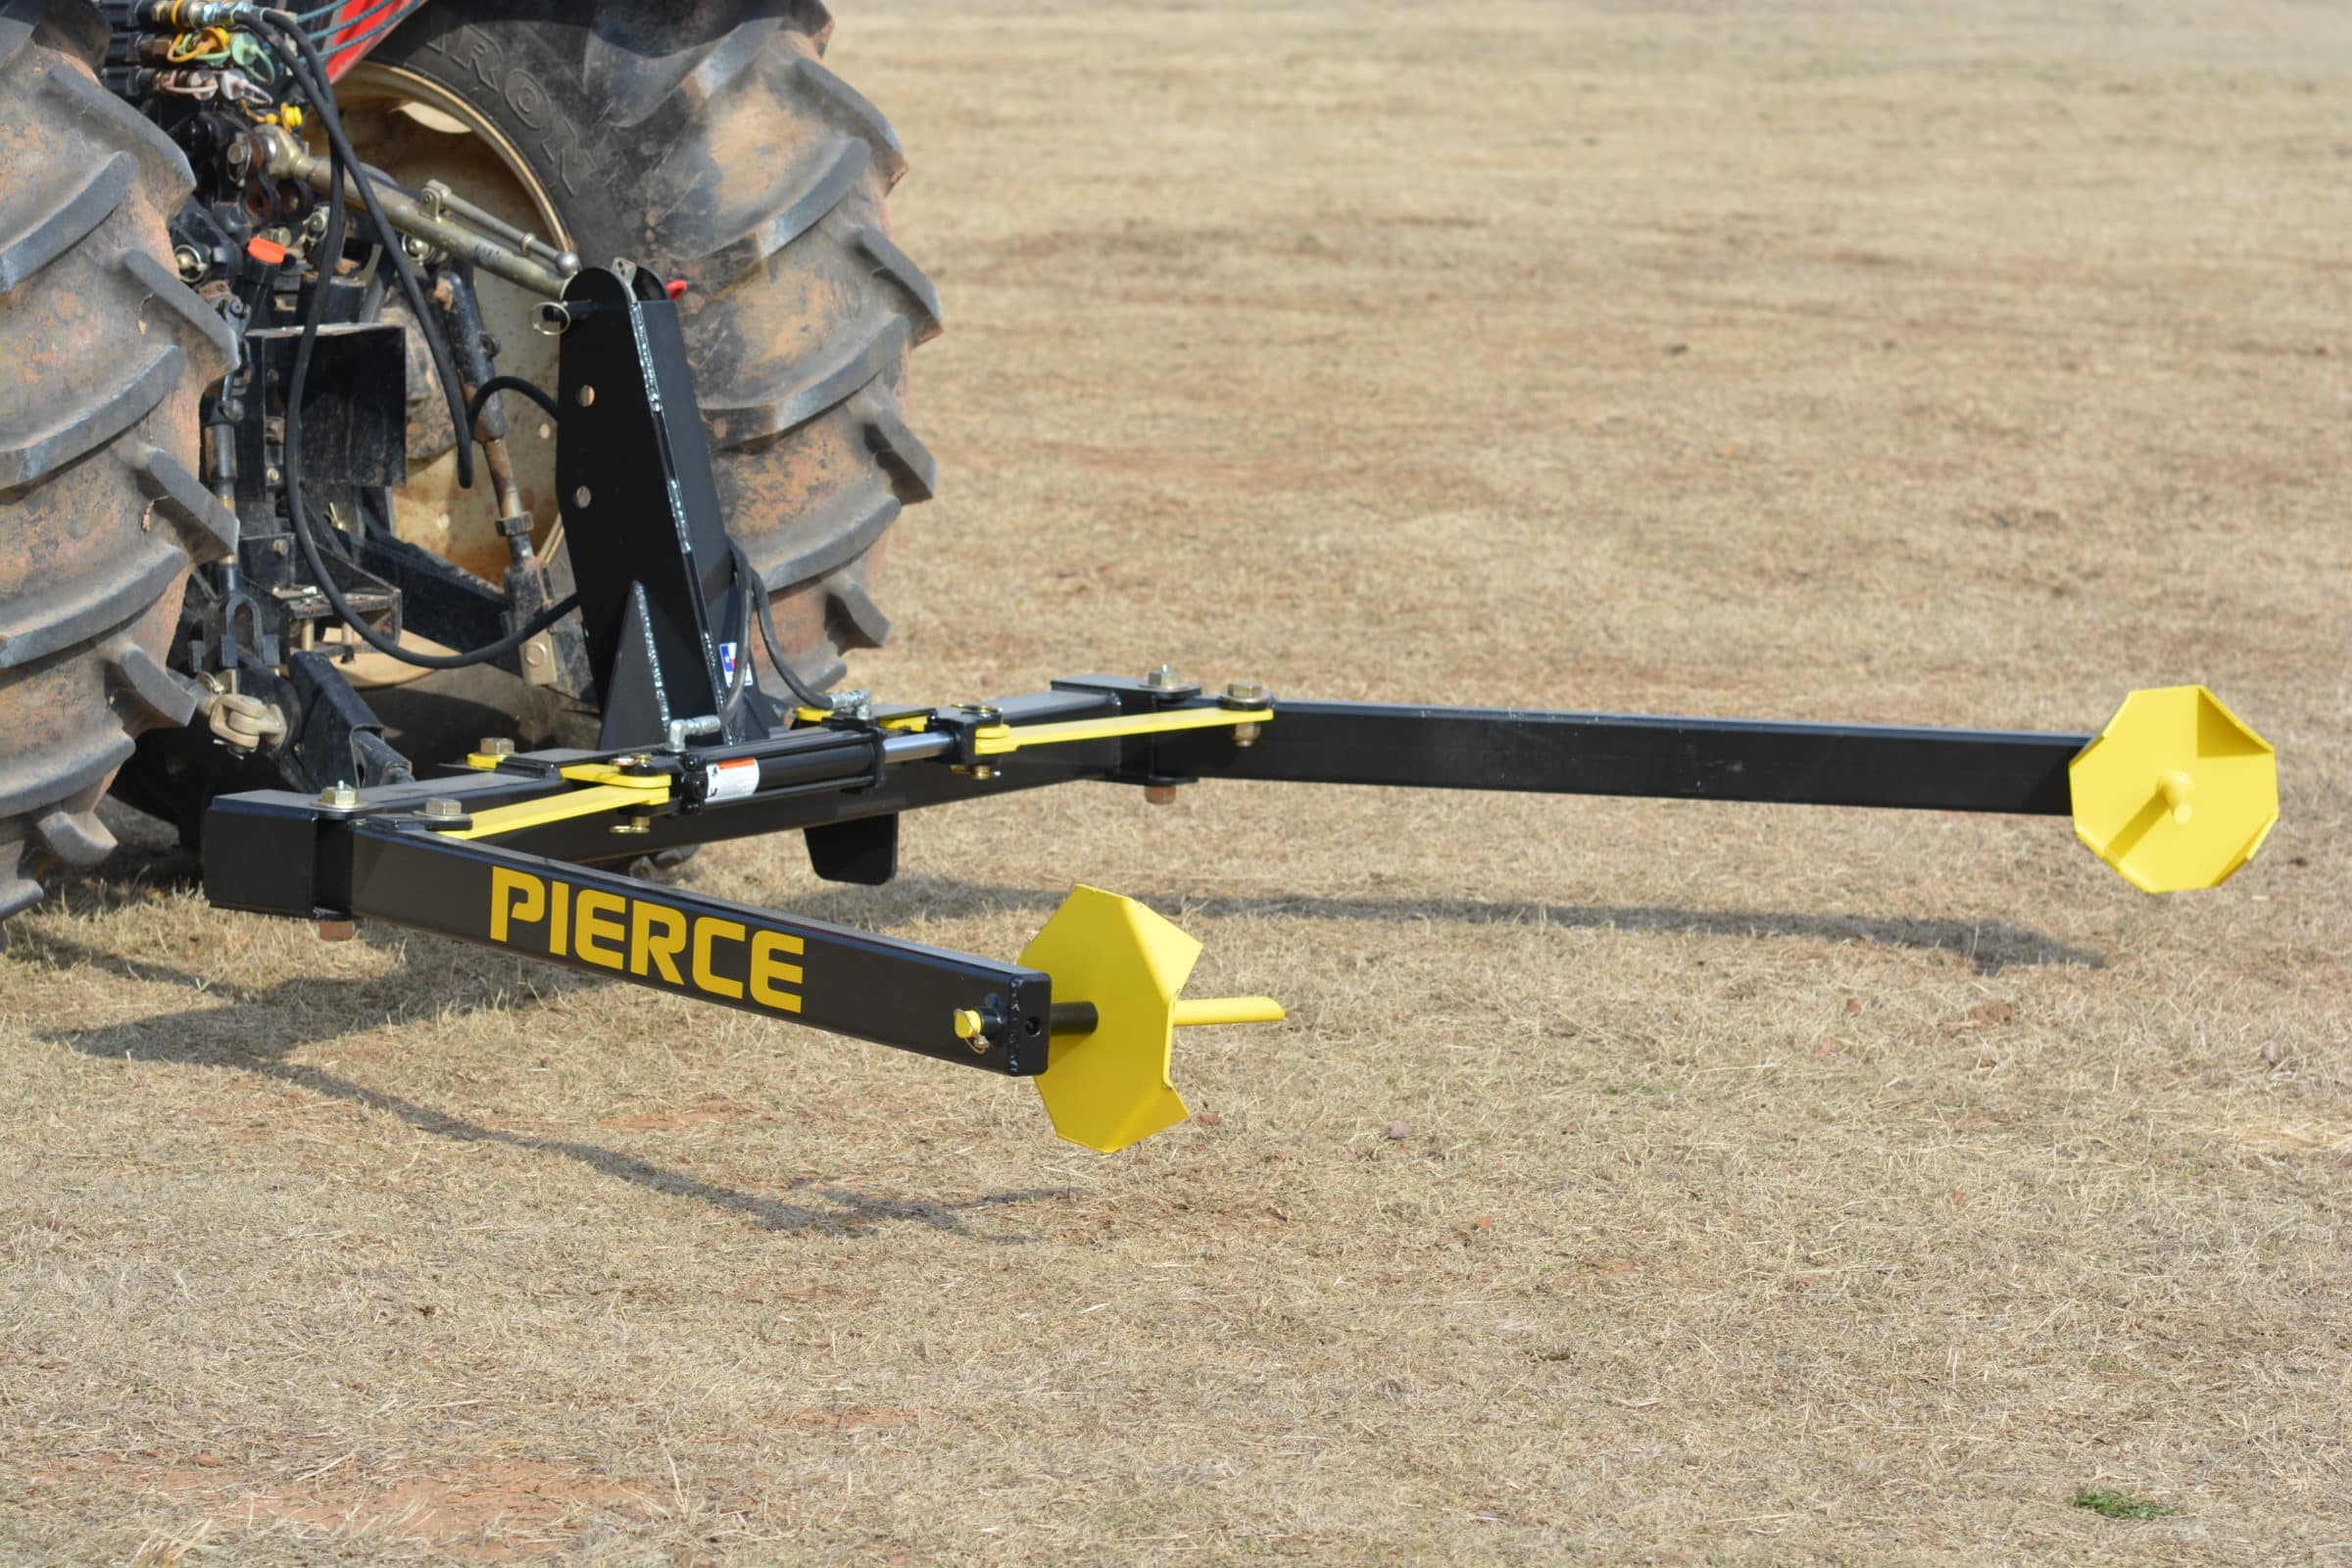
(1636, 1182)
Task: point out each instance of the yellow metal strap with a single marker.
(908, 721)
(604, 788)
(998, 739)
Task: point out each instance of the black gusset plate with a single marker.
(648, 547)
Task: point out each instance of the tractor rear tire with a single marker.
(104, 355)
(707, 139)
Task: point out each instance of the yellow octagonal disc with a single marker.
(1112, 1088)
(2177, 791)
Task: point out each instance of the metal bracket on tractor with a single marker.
(2175, 792)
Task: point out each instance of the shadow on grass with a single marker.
(260, 1030)
(1988, 947)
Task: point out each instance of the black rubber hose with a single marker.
(297, 509)
(747, 577)
(510, 383)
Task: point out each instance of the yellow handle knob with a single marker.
(1229, 1009)
(2177, 787)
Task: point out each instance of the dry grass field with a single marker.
(1634, 1181)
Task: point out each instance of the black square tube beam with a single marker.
(277, 853)
(876, 988)
(1616, 754)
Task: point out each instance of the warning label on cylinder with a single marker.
(731, 780)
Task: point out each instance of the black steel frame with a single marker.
(658, 603)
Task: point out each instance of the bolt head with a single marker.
(443, 809)
(1159, 794)
(497, 746)
(190, 261)
(337, 930)
(339, 795)
(1252, 692)
(1166, 678)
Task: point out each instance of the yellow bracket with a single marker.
(2177, 791)
(996, 740)
(912, 722)
(606, 788)
(1110, 1088)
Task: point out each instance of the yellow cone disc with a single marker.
(2177, 791)
(1110, 1088)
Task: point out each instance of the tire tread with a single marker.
(99, 510)
(28, 250)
